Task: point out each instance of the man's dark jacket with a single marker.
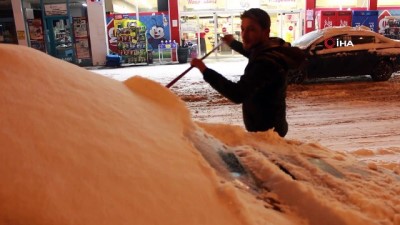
(262, 88)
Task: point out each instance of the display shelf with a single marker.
(132, 44)
(167, 52)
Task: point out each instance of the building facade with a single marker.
(85, 31)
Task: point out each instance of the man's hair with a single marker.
(258, 15)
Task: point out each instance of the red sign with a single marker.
(290, 28)
(206, 30)
(224, 29)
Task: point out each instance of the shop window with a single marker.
(7, 25)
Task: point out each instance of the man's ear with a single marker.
(266, 32)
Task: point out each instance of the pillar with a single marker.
(174, 18)
(97, 31)
(373, 5)
(19, 22)
(309, 24)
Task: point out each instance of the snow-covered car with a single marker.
(347, 51)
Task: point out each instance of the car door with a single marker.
(360, 55)
(325, 58)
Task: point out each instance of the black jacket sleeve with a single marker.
(256, 77)
(238, 47)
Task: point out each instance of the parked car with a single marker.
(347, 51)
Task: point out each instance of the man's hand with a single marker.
(228, 39)
(199, 64)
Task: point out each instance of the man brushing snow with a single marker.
(262, 88)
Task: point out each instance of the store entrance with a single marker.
(59, 38)
(205, 31)
(286, 25)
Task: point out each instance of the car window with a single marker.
(328, 43)
(305, 40)
(359, 39)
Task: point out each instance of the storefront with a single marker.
(202, 23)
(59, 28)
(8, 32)
(155, 27)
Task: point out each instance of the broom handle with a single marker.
(188, 69)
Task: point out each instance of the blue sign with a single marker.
(366, 18)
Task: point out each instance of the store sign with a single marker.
(190, 26)
(55, 9)
(279, 3)
(242, 4)
(202, 1)
(202, 4)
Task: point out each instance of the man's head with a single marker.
(255, 27)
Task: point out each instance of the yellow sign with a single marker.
(387, 3)
(21, 35)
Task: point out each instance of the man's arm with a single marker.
(235, 45)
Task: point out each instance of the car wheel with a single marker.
(296, 76)
(382, 72)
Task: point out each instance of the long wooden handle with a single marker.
(188, 69)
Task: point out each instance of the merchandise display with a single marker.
(132, 42)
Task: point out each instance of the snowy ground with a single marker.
(345, 114)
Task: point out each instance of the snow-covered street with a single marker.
(343, 114)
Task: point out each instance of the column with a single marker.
(174, 19)
(97, 31)
(310, 16)
(19, 22)
(373, 5)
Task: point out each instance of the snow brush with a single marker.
(188, 69)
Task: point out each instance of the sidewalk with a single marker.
(167, 61)
(164, 73)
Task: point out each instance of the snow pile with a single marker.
(78, 148)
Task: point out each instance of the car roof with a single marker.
(306, 40)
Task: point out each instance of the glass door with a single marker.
(224, 26)
(207, 33)
(59, 38)
(203, 31)
(288, 26)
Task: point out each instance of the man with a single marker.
(262, 88)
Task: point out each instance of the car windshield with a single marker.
(305, 40)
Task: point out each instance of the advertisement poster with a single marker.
(389, 23)
(81, 38)
(157, 28)
(35, 29)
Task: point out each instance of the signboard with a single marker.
(21, 35)
(189, 26)
(368, 18)
(55, 9)
(206, 30)
(201, 4)
(334, 18)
